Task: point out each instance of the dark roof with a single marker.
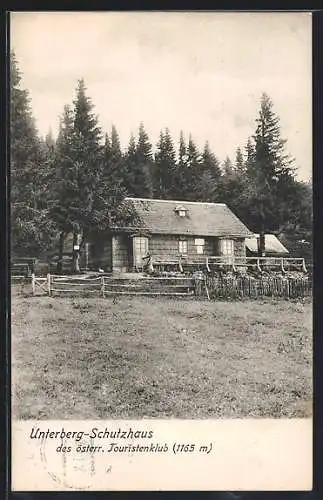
(202, 219)
(272, 244)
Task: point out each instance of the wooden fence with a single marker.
(249, 287)
(22, 268)
(103, 286)
(214, 288)
(211, 264)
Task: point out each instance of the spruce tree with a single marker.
(232, 187)
(109, 206)
(250, 155)
(115, 169)
(239, 161)
(296, 231)
(65, 186)
(49, 140)
(131, 162)
(89, 199)
(191, 171)
(270, 175)
(139, 165)
(178, 183)
(209, 183)
(165, 166)
(228, 167)
(31, 229)
(79, 162)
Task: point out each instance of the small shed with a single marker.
(273, 247)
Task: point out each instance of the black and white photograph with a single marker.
(161, 215)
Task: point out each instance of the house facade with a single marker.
(169, 230)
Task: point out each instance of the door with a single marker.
(140, 250)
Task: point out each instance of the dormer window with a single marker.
(181, 211)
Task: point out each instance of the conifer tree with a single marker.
(228, 167)
(270, 175)
(31, 229)
(232, 185)
(79, 165)
(49, 139)
(239, 162)
(89, 199)
(250, 155)
(114, 163)
(191, 171)
(130, 159)
(65, 188)
(182, 150)
(139, 165)
(165, 165)
(178, 182)
(209, 183)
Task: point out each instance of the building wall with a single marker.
(104, 252)
(113, 252)
(240, 247)
(166, 246)
(100, 254)
(120, 252)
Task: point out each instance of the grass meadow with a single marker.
(135, 357)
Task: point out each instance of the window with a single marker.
(199, 244)
(182, 246)
(227, 248)
(181, 211)
(141, 245)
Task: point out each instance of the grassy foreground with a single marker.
(78, 358)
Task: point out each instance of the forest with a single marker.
(77, 182)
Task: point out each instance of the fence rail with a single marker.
(233, 287)
(214, 263)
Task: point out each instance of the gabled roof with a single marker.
(202, 219)
(272, 244)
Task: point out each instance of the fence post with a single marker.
(282, 265)
(48, 284)
(258, 266)
(102, 286)
(206, 289)
(304, 266)
(33, 283)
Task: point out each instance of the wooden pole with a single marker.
(258, 266)
(33, 283)
(48, 285)
(86, 256)
(304, 266)
(282, 265)
(180, 265)
(207, 290)
(102, 286)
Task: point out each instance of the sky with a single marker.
(202, 73)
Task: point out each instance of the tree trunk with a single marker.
(261, 241)
(76, 252)
(262, 246)
(59, 268)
